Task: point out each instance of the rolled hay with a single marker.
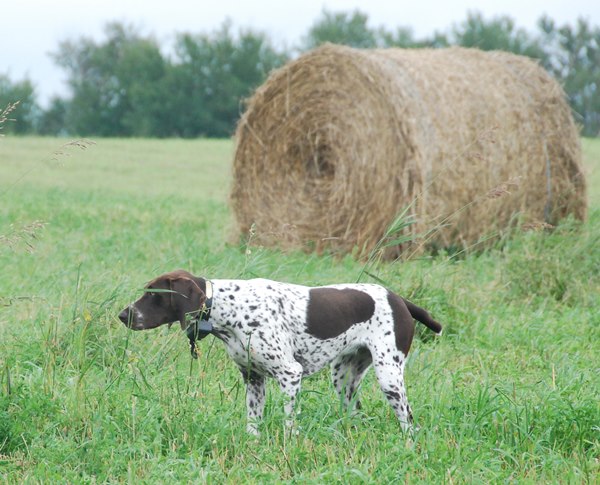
(334, 145)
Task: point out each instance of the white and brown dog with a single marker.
(288, 331)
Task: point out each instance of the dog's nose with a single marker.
(124, 316)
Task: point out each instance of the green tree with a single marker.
(125, 87)
(24, 116)
(573, 57)
(214, 73)
(499, 33)
(341, 28)
(53, 119)
(113, 84)
(403, 37)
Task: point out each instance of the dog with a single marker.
(287, 331)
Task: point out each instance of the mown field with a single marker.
(509, 393)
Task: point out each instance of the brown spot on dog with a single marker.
(404, 325)
(331, 311)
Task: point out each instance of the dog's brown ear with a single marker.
(187, 296)
(172, 302)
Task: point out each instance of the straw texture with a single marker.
(338, 142)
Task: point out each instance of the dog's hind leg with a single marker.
(389, 368)
(347, 371)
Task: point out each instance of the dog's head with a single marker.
(166, 299)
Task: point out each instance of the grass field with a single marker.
(510, 393)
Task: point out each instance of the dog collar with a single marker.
(207, 305)
(200, 327)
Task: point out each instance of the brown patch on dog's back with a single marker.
(331, 311)
(404, 325)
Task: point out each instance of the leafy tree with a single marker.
(573, 57)
(500, 33)
(24, 115)
(402, 37)
(341, 28)
(351, 28)
(52, 120)
(141, 72)
(214, 73)
(125, 87)
(570, 54)
(112, 83)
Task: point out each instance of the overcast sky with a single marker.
(30, 29)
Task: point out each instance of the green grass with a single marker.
(509, 393)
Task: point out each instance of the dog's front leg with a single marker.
(289, 380)
(255, 399)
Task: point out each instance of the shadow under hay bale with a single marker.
(338, 142)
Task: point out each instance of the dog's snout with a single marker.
(125, 316)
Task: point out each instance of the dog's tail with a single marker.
(422, 316)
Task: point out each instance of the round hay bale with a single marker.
(334, 145)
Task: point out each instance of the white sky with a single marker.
(30, 29)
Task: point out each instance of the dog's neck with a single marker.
(200, 326)
(207, 305)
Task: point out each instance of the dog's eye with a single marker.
(154, 296)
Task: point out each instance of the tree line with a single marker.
(126, 85)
